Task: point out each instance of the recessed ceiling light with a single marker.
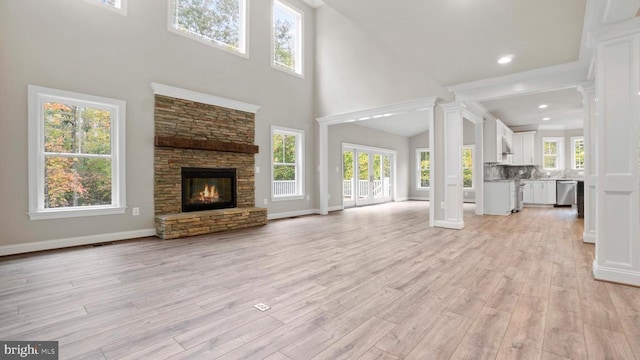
(543, 106)
(546, 119)
(505, 59)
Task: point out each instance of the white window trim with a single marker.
(122, 10)
(419, 169)
(243, 49)
(37, 96)
(559, 147)
(299, 71)
(473, 154)
(300, 147)
(573, 151)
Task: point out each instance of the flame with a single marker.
(209, 194)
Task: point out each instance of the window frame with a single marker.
(473, 150)
(122, 10)
(299, 62)
(419, 169)
(559, 152)
(300, 147)
(243, 31)
(37, 96)
(575, 139)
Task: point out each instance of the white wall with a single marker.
(359, 135)
(76, 46)
(356, 71)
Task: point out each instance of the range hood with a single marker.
(506, 147)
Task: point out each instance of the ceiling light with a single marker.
(378, 116)
(365, 118)
(546, 119)
(543, 106)
(505, 59)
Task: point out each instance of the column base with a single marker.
(616, 275)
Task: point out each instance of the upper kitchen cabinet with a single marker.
(498, 140)
(523, 148)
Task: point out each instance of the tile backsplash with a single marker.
(503, 172)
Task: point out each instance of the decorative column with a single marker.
(451, 214)
(323, 140)
(588, 91)
(618, 108)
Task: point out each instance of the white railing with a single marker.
(284, 187)
(378, 190)
(347, 189)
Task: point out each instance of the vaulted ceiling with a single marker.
(461, 40)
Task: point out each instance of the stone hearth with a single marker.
(194, 134)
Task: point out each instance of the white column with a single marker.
(588, 91)
(323, 140)
(453, 195)
(618, 108)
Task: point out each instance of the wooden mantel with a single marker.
(210, 145)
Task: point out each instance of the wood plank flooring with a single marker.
(367, 283)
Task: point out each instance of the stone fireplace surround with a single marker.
(192, 130)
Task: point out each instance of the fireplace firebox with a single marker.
(208, 188)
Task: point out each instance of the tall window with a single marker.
(577, 153)
(117, 5)
(552, 153)
(221, 23)
(287, 163)
(467, 166)
(423, 162)
(76, 154)
(287, 37)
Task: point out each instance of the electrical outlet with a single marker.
(328, 196)
(262, 307)
(308, 197)
(135, 211)
(266, 201)
(442, 205)
(337, 169)
(257, 169)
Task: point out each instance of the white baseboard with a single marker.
(74, 241)
(401, 199)
(589, 238)
(449, 224)
(419, 198)
(289, 214)
(616, 275)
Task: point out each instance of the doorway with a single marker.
(367, 175)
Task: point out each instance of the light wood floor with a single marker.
(368, 283)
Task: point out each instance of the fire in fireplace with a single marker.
(208, 188)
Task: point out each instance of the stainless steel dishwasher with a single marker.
(566, 192)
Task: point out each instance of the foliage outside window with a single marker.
(552, 153)
(221, 23)
(117, 5)
(76, 150)
(287, 37)
(577, 153)
(423, 166)
(287, 165)
(467, 167)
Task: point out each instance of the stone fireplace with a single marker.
(204, 179)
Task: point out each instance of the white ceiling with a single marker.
(405, 124)
(459, 41)
(564, 108)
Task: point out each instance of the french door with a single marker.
(367, 176)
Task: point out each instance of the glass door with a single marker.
(363, 185)
(348, 177)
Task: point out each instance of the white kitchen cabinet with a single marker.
(499, 197)
(494, 133)
(541, 192)
(527, 193)
(523, 148)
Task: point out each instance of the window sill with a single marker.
(71, 213)
(228, 49)
(287, 71)
(423, 188)
(287, 198)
